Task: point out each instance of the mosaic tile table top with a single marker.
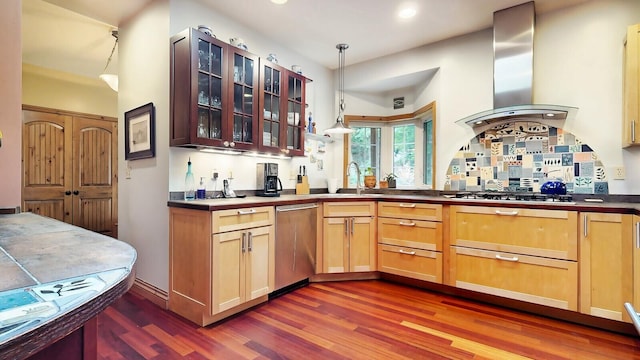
(521, 156)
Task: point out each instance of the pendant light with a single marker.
(340, 127)
(111, 79)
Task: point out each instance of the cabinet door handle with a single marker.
(246, 212)
(244, 241)
(407, 205)
(513, 259)
(346, 227)
(585, 227)
(250, 241)
(633, 131)
(402, 223)
(353, 221)
(68, 192)
(76, 192)
(510, 213)
(638, 235)
(407, 252)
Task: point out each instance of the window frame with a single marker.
(419, 117)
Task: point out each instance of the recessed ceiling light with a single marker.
(407, 12)
(279, 2)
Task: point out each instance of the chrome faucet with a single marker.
(358, 188)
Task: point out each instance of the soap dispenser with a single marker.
(202, 190)
(189, 184)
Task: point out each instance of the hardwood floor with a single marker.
(354, 320)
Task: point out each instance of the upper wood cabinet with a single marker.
(223, 96)
(282, 116)
(631, 117)
(214, 92)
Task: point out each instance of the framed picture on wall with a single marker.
(139, 133)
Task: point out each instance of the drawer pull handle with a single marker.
(504, 213)
(513, 259)
(408, 205)
(246, 212)
(407, 252)
(407, 224)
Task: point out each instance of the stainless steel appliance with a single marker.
(267, 179)
(295, 249)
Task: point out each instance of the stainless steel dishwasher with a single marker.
(295, 249)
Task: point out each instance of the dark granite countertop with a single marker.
(39, 253)
(609, 204)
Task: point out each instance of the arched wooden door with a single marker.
(70, 165)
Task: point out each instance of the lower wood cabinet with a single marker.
(349, 230)
(409, 262)
(636, 261)
(606, 264)
(518, 253)
(410, 240)
(534, 279)
(241, 267)
(220, 262)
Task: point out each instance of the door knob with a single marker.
(67, 192)
(76, 192)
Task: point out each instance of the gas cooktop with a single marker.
(518, 196)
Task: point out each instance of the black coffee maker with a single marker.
(267, 179)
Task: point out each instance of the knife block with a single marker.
(302, 188)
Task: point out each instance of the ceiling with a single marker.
(75, 35)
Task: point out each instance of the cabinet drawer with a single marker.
(548, 233)
(412, 263)
(349, 208)
(236, 219)
(405, 210)
(426, 235)
(533, 279)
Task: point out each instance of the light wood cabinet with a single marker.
(523, 254)
(410, 240)
(349, 230)
(606, 268)
(220, 262)
(631, 96)
(636, 261)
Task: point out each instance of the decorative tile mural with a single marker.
(521, 156)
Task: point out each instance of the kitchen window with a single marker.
(405, 147)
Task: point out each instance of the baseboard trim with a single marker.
(151, 293)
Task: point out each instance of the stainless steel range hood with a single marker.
(513, 31)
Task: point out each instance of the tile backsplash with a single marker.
(521, 156)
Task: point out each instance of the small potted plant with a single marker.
(369, 178)
(391, 180)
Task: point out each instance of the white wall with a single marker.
(143, 219)
(578, 62)
(10, 103)
(59, 90)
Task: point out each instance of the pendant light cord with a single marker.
(341, 64)
(114, 33)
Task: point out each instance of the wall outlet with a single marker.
(618, 173)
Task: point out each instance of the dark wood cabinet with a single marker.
(226, 97)
(282, 118)
(213, 93)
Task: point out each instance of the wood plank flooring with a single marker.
(354, 320)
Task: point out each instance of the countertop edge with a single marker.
(39, 338)
(251, 201)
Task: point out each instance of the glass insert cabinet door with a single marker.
(295, 114)
(271, 105)
(245, 99)
(210, 90)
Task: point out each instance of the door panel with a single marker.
(95, 146)
(47, 169)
